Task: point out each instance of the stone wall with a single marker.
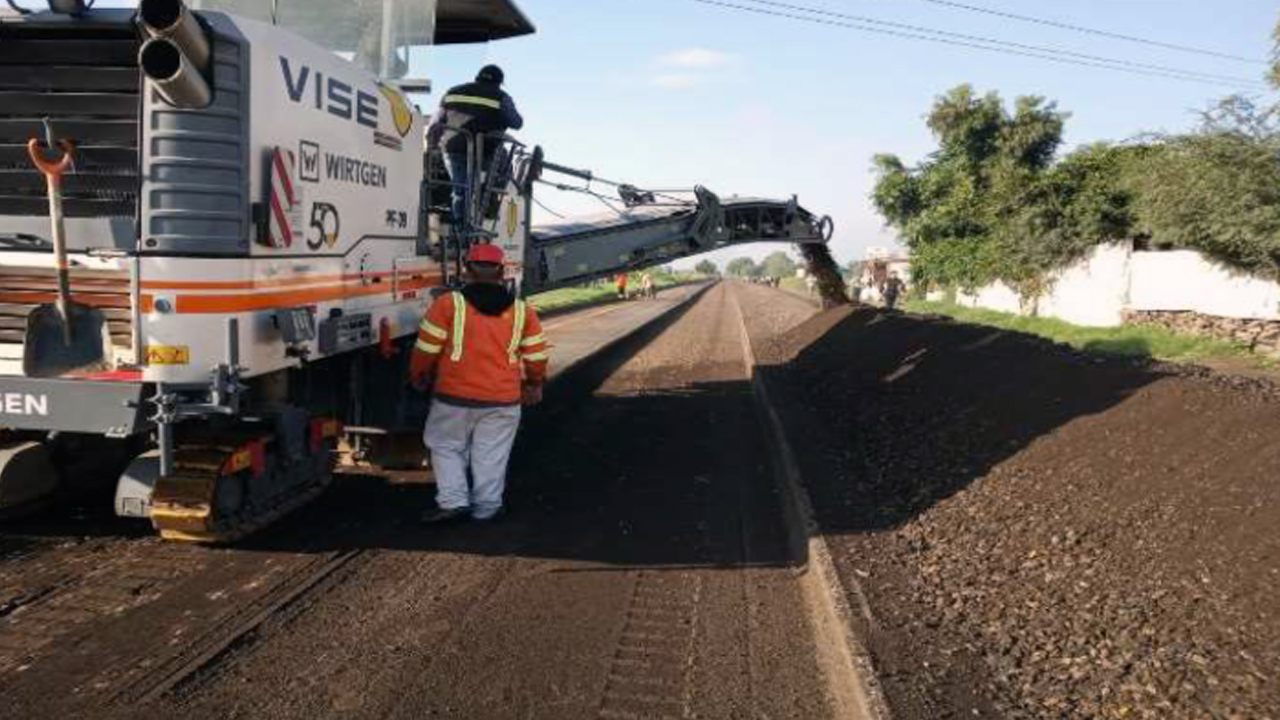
(1261, 335)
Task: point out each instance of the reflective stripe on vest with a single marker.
(472, 100)
(429, 328)
(517, 332)
(459, 325)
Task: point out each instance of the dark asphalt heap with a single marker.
(1041, 533)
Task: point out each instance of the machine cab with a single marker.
(386, 37)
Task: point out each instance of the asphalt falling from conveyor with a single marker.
(822, 266)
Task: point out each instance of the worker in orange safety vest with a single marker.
(482, 353)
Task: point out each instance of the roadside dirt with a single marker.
(1040, 533)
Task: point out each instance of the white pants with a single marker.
(481, 438)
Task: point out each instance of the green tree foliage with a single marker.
(1274, 75)
(743, 267)
(991, 203)
(706, 267)
(778, 265)
(1218, 190)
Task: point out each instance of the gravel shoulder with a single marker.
(1039, 533)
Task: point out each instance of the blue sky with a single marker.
(672, 92)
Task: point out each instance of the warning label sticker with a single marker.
(168, 355)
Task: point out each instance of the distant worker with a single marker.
(855, 290)
(893, 287)
(620, 282)
(470, 111)
(482, 353)
(647, 288)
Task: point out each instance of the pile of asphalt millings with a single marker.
(1039, 532)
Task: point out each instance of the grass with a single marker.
(1132, 340)
(571, 297)
(794, 284)
(582, 296)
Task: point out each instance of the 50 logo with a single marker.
(323, 217)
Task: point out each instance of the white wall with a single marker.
(1094, 291)
(1186, 280)
(1098, 289)
(996, 296)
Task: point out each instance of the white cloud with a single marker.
(690, 67)
(696, 59)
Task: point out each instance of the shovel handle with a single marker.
(53, 167)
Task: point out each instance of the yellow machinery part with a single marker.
(184, 505)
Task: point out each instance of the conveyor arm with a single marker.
(575, 251)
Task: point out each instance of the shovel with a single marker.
(66, 335)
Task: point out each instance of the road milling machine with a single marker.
(219, 231)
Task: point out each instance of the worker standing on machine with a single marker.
(472, 110)
(482, 352)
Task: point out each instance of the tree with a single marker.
(742, 267)
(1274, 75)
(706, 267)
(994, 203)
(991, 203)
(1217, 190)
(778, 265)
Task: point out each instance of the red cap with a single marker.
(486, 254)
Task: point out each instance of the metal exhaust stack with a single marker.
(171, 20)
(68, 7)
(177, 55)
(173, 75)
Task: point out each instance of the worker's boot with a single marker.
(441, 516)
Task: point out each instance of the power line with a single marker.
(915, 32)
(1164, 69)
(1094, 31)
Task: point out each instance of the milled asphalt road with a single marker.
(642, 573)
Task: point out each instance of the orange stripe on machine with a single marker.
(197, 304)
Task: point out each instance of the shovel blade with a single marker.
(48, 354)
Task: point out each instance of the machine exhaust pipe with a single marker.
(171, 20)
(174, 75)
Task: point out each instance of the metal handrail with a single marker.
(479, 191)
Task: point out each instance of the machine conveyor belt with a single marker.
(577, 250)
